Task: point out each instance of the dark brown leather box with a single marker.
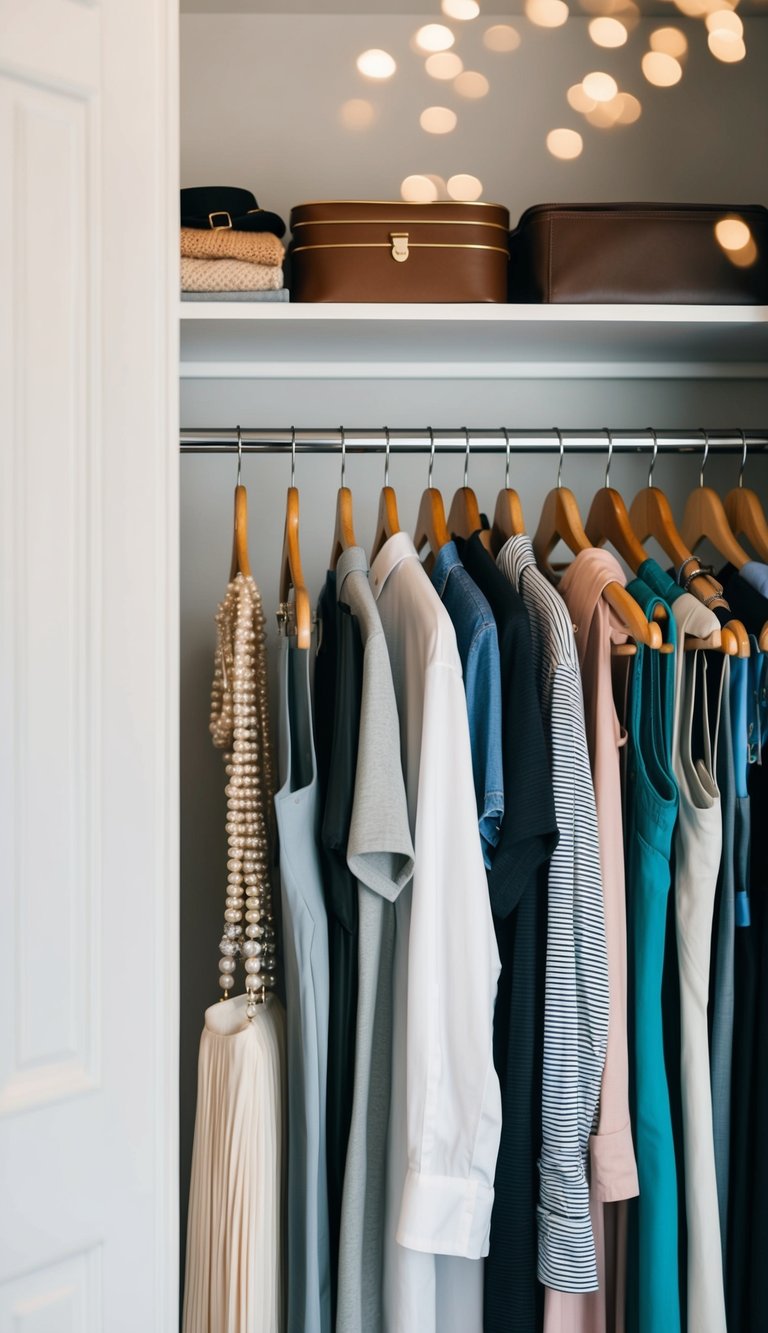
(638, 253)
(368, 250)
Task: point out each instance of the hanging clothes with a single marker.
(518, 898)
(698, 846)
(380, 855)
(653, 1291)
(478, 644)
(576, 985)
(721, 998)
(340, 891)
(305, 953)
(612, 1159)
(445, 1120)
(756, 574)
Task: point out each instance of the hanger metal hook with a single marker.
(466, 458)
(608, 460)
(293, 456)
(704, 456)
(743, 457)
(559, 435)
(431, 456)
(386, 456)
(343, 435)
(239, 455)
(654, 455)
(505, 433)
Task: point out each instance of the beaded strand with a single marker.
(240, 727)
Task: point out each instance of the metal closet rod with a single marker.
(482, 440)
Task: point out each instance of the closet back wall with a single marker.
(262, 98)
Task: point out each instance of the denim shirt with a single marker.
(478, 645)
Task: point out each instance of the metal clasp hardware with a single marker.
(220, 226)
(399, 241)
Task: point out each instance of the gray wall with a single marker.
(259, 108)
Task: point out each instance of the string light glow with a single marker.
(438, 120)
(418, 190)
(501, 37)
(565, 144)
(608, 32)
(601, 87)
(463, 10)
(726, 46)
(434, 37)
(376, 64)
(547, 13)
(471, 84)
(357, 114)
(671, 41)
(465, 188)
(444, 65)
(661, 69)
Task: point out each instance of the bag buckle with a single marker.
(400, 250)
(220, 226)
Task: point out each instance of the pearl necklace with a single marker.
(240, 726)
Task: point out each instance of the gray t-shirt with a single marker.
(380, 855)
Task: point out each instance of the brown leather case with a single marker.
(369, 250)
(637, 253)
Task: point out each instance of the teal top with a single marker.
(659, 581)
(653, 1303)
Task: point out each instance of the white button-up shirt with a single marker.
(445, 1120)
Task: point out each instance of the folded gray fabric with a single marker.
(282, 294)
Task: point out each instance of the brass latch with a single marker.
(399, 241)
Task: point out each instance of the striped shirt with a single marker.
(576, 986)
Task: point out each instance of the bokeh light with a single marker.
(471, 84)
(607, 32)
(732, 233)
(444, 65)
(501, 37)
(601, 87)
(438, 120)
(463, 10)
(631, 109)
(357, 114)
(671, 41)
(565, 144)
(376, 64)
(724, 20)
(726, 46)
(744, 258)
(660, 69)
(547, 13)
(465, 188)
(578, 99)
(434, 37)
(418, 190)
(439, 184)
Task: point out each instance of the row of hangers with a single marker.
(706, 517)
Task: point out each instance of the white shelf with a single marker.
(275, 341)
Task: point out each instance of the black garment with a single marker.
(325, 683)
(757, 1228)
(746, 603)
(340, 888)
(517, 885)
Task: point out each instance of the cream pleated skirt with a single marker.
(234, 1274)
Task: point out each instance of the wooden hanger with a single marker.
(745, 512)
(560, 521)
(651, 516)
(464, 515)
(508, 518)
(387, 522)
(431, 528)
(295, 615)
(344, 528)
(609, 521)
(705, 518)
(240, 561)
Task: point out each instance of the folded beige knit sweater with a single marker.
(257, 247)
(229, 275)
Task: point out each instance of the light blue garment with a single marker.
(653, 1304)
(478, 645)
(756, 573)
(305, 961)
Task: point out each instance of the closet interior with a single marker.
(272, 100)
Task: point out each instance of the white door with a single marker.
(88, 826)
